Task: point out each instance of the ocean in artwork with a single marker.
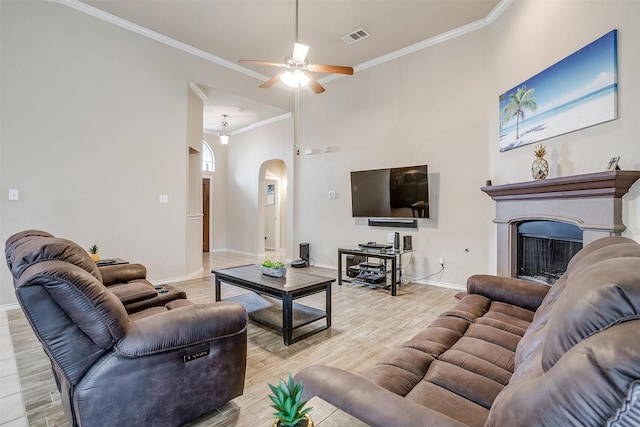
(578, 92)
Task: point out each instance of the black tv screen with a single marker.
(390, 193)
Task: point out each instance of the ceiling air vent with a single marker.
(355, 36)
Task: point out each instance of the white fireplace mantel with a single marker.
(593, 202)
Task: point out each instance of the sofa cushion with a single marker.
(136, 290)
(602, 295)
(34, 249)
(595, 383)
(449, 403)
(467, 352)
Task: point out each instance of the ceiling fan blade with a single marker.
(269, 63)
(337, 69)
(313, 83)
(270, 82)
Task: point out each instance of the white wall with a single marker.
(426, 108)
(533, 35)
(248, 152)
(93, 129)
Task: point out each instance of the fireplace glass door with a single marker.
(545, 249)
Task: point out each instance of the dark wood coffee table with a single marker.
(260, 303)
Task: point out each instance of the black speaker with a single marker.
(304, 252)
(407, 243)
(396, 241)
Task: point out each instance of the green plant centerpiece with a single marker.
(93, 251)
(289, 406)
(273, 268)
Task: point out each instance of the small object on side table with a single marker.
(111, 261)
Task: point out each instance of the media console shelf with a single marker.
(393, 256)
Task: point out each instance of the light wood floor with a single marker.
(365, 324)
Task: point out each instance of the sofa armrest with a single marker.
(367, 401)
(182, 327)
(509, 290)
(122, 273)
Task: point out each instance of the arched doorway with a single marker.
(273, 201)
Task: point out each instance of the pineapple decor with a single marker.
(93, 251)
(287, 401)
(540, 167)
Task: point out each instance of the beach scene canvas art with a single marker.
(575, 93)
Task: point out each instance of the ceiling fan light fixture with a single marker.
(299, 53)
(224, 135)
(294, 78)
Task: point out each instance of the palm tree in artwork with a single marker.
(518, 102)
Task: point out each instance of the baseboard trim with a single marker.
(7, 307)
(455, 286)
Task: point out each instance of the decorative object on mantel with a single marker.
(273, 269)
(540, 167)
(579, 91)
(613, 164)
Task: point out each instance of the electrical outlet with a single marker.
(442, 262)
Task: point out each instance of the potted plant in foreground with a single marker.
(287, 401)
(273, 268)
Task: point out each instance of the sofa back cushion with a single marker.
(600, 295)
(28, 248)
(74, 315)
(579, 361)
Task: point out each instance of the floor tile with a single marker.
(11, 408)
(10, 385)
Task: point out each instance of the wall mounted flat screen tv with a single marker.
(390, 193)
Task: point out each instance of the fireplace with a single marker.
(592, 203)
(544, 249)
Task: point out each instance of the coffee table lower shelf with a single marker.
(268, 311)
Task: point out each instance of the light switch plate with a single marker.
(164, 198)
(14, 194)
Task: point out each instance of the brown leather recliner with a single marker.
(162, 366)
(127, 281)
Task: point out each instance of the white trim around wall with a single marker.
(457, 32)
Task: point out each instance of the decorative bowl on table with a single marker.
(273, 269)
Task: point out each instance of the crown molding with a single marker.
(441, 38)
(145, 32)
(199, 93)
(253, 125)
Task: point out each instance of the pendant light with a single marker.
(224, 135)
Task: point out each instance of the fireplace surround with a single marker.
(592, 202)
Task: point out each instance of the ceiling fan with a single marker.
(298, 68)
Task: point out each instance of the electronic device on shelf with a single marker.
(373, 246)
(373, 278)
(371, 266)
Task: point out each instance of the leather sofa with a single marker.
(160, 366)
(513, 353)
(127, 281)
